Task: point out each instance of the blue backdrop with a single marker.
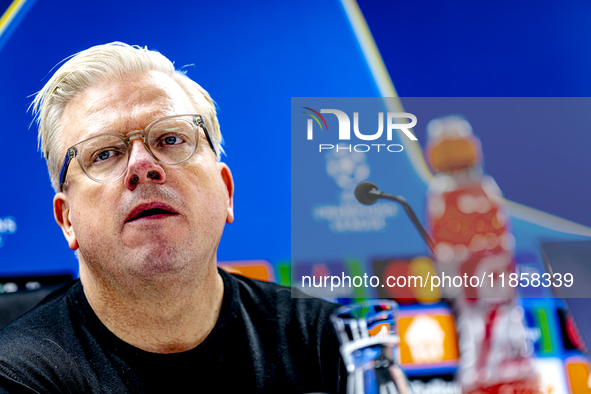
(254, 57)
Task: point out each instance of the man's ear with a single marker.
(61, 212)
(229, 182)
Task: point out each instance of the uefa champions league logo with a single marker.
(347, 169)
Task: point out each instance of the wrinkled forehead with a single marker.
(123, 104)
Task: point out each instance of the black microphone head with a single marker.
(362, 192)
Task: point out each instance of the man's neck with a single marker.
(160, 316)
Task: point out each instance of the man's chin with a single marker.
(158, 262)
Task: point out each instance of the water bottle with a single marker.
(369, 339)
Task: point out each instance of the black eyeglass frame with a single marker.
(73, 150)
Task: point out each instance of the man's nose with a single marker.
(142, 167)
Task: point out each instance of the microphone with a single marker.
(363, 192)
(368, 193)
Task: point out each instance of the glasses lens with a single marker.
(104, 157)
(173, 140)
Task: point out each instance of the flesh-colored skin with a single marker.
(153, 282)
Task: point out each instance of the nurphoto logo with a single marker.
(344, 133)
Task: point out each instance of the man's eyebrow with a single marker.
(122, 126)
(99, 130)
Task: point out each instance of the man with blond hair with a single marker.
(133, 152)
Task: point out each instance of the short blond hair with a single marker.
(97, 63)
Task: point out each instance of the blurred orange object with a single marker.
(578, 371)
(454, 154)
(452, 146)
(428, 337)
(253, 269)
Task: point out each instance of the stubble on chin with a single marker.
(118, 266)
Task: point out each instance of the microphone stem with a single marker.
(412, 217)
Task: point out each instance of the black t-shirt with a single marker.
(263, 342)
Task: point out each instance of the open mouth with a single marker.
(151, 211)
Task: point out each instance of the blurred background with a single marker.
(254, 57)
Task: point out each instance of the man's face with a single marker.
(182, 207)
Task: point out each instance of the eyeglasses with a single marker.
(105, 157)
